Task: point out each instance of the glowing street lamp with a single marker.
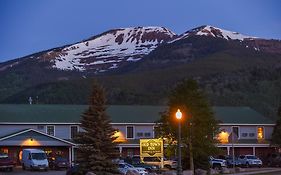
(179, 168)
(178, 114)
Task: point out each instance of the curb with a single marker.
(258, 172)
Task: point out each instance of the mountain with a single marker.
(207, 30)
(140, 65)
(118, 48)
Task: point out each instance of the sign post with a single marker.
(152, 148)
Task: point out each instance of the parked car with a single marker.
(124, 167)
(274, 159)
(34, 159)
(171, 164)
(230, 163)
(6, 163)
(136, 162)
(217, 163)
(250, 161)
(58, 162)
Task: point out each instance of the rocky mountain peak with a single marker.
(207, 30)
(111, 49)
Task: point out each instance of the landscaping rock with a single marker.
(200, 172)
(225, 170)
(238, 169)
(213, 171)
(90, 173)
(169, 173)
(187, 172)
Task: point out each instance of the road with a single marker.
(19, 171)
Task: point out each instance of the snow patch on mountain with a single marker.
(112, 48)
(214, 32)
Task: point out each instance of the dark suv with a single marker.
(274, 159)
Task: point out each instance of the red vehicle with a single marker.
(6, 163)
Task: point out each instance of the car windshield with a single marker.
(38, 156)
(252, 157)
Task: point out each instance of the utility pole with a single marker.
(191, 150)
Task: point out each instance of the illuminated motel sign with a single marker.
(151, 148)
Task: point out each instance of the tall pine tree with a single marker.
(276, 134)
(198, 124)
(96, 149)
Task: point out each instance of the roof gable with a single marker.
(31, 137)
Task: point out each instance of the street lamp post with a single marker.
(179, 168)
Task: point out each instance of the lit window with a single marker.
(223, 136)
(130, 132)
(51, 130)
(260, 133)
(73, 131)
(4, 151)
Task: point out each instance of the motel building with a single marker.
(53, 127)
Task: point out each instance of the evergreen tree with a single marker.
(276, 134)
(198, 124)
(96, 149)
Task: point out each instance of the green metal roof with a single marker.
(12, 113)
(240, 115)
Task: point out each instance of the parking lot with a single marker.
(19, 171)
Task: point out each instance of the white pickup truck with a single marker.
(217, 163)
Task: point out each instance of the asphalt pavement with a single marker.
(19, 171)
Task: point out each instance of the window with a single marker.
(244, 134)
(4, 151)
(140, 134)
(73, 131)
(223, 136)
(130, 132)
(235, 130)
(260, 133)
(147, 134)
(252, 134)
(51, 130)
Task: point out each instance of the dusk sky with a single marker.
(29, 26)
